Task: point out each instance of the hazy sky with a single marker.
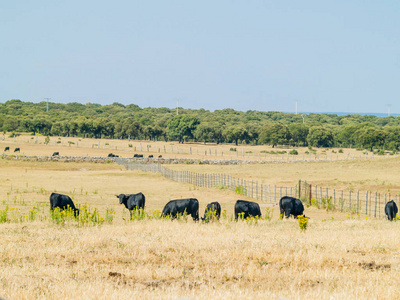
(329, 56)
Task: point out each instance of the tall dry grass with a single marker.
(354, 259)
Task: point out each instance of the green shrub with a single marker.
(4, 215)
(14, 135)
(379, 152)
(293, 152)
(240, 190)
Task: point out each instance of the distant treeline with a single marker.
(226, 125)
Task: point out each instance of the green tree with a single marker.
(346, 135)
(299, 132)
(235, 134)
(370, 137)
(204, 132)
(10, 124)
(392, 140)
(275, 134)
(320, 136)
(182, 127)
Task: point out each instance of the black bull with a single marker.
(63, 202)
(189, 206)
(213, 207)
(132, 201)
(247, 208)
(291, 206)
(391, 210)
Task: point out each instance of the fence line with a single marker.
(353, 202)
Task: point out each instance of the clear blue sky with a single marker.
(329, 56)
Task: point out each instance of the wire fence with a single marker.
(358, 202)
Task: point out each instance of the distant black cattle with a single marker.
(291, 206)
(391, 210)
(63, 202)
(189, 206)
(213, 207)
(160, 156)
(56, 153)
(151, 156)
(112, 155)
(138, 155)
(16, 150)
(6, 149)
(247, 208)
(132, 201)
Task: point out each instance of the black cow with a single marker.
(132, 201)
(63, 202)
(151, 156)
(16, 150)
(112, 155)
(248, 208)
(391, 210)
(213, 207)
(56, 153)
(175, 207)
(6, 149)
(138, 155)
(160, 156)
(291, 206)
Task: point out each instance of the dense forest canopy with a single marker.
(227, 125)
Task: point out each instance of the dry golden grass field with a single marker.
(338, 256)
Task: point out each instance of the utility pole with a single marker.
(47, 106)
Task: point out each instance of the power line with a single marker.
(47, 106)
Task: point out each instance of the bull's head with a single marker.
(121, 198)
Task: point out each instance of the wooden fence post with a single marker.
(358, 201)
(350, 201)
(334, 198)
(341, 202)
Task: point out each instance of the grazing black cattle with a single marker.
(291, 206)
(248, 208)
(391, 210)
(160, 156)
(112, 155)
(213, 207)
(175, 207)
(16, 150)
(56, 153)
(63, 202)
(138, 155)
(132, 201)
(151, 156)
(6, 149)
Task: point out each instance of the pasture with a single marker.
(338, 256)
